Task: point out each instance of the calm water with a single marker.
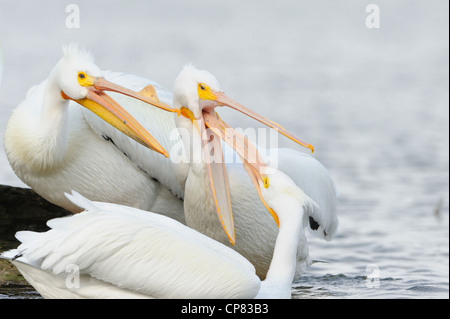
(373, 102)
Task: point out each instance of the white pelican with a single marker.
(114, 251)
(241, 209)
(54, 145)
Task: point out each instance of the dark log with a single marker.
(23, 209)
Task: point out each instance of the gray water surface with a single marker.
(373, 102)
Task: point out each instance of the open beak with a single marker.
(212, 130)
(250, 157)
(110, 111)
(248, 153)
(218, 180)
(222, 100)
(212, 156)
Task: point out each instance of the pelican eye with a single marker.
(266, 182)
(204, 92)
(85, 80)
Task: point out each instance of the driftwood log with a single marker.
(23, 209)
(20, 209)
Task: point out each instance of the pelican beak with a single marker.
(212, 129)
(251, 159)
(104, 85)
(212, 156)
(111, 112)
(212, 99)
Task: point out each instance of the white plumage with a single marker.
(125, 249)
(114, 251)
(96, 160)
(56, 145)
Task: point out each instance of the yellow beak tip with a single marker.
(164, 152)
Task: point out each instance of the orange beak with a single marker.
(110, 111)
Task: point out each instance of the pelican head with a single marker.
(76, 72)
(188, 86)
(197, 93)
(200, 92)
(80, 80)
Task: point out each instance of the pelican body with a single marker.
(114, 251)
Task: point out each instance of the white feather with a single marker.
(135, 251)
(74, 51)
(55, 146)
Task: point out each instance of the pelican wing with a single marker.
(140, 252)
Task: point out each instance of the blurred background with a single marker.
(374, 102)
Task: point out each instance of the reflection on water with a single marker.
(373, 102)
(19, 292)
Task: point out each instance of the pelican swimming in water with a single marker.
(100, 162)
(115, 251)
(54, 145)
(121, 252)
(241, 209)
